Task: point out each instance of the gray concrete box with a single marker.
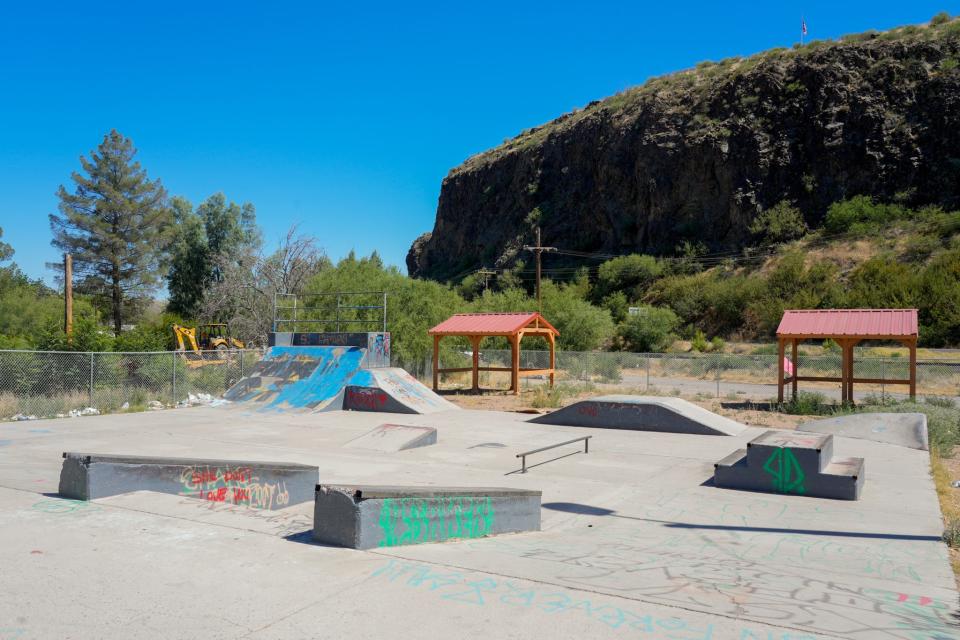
(792, 463)
(260, 485)
(367, 517)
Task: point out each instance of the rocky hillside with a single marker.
(697, 155)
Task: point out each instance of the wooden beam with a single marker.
(475, 342)
(515, 364)
(793, 358)
(553, 356)
(436, 362)
(780, 350)
(913, 371)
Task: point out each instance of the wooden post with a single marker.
(845, 372)
(475, 341)
(515, 364)
(436, 362)
(850, 372)
(553, 356)
(793, 376)
(68, 296)
(913, 369)
(780, 355)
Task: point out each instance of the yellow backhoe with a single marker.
(192, 342)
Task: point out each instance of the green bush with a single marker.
(941, 18)
(699, 342)
(809, 404)
(781, 223)
(951, 533)
(860, 214)
(651, 330)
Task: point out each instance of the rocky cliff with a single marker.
(696, 155)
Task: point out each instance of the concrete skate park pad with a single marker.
(632, 541)
(903, 429)
(367, 517)
(390, 438)
(642, 413)
(393, 390)
(260, 485)
(792, 462)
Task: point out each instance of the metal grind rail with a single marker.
(586, 449)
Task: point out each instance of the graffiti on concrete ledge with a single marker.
(235, 485)
(785, 470)
(416, 520)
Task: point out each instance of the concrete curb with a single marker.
(368, 517)
(259, 485)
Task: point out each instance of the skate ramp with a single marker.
(392, 390)
(298, 378)
(903, 429)
(390, 438)
(642, 413)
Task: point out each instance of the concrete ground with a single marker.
(635, 542)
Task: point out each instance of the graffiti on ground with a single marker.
(63, 506)
(416, 520)
(740, 574)
(484, 591)
(235, 485)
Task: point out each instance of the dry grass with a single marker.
(944, 469)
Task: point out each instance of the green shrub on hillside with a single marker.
(861, 213)
(781, 223)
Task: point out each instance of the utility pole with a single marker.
(485, 274)
(68, 296)
(539, 249)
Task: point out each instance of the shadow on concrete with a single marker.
(531, 466)
(579, 509)
(589, 510)
(306, 537)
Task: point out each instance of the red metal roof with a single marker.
(862, 323)
(485, 323)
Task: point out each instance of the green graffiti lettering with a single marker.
(415, 520)
(785, 469)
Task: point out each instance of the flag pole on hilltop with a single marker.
(803, 29)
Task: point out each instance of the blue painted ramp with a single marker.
(300, 378)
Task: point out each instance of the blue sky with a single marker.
(342, 119)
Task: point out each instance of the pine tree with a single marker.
(116, 223)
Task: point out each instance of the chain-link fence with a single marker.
(715, 375)
(49, 384)
(55, 383)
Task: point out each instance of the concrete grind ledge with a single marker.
(259, 485)
(368, 517)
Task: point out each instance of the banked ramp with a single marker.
(328, 378)
(642, 413)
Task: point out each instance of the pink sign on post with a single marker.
(787, 366)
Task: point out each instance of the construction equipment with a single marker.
(193, 341)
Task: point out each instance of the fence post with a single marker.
(173, 378)
(241, 363)
(883, 380)
(648, 372)
(718, 379)
(90, 392)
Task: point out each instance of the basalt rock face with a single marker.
(698, 154)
